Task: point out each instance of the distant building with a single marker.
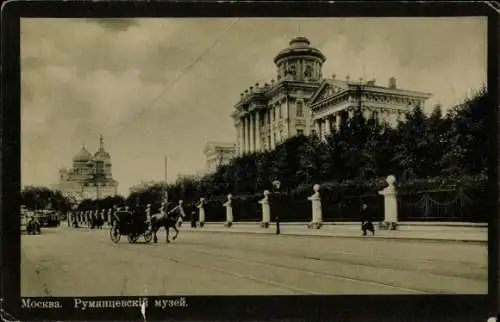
(90, 176)
(218, 153)
(302, 101)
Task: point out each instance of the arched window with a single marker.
(300, 109)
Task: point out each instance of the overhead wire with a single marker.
(179, 77)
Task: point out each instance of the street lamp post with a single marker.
(277, 185)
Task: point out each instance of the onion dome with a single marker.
(83, 155)
(101, 154)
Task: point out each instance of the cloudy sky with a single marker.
(155, 87)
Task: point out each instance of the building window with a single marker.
(300, 109)
(280, 111)
(300, 132)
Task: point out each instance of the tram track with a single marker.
(376, 261)
(178, 258)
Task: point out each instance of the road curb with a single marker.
(449, 240)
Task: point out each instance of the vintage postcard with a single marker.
(167, 160)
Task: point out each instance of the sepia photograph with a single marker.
(254, 156)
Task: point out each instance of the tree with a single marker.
(470, 141)
(306, 160)
(438, 142)
(38, 198)
(352, 140)
(411, 152)
(263, 163)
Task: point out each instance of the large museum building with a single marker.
(302, 101)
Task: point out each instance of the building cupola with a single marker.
(83, 155)
(300, 61)
(101, 154)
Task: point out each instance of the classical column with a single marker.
(251, 132)
(338, 120)
(242, 137)
(238, 136)
(258, 141)
(272, 112)
(247, 137)
(321, 127)
(328, 126)
(317, 128)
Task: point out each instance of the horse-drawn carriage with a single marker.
(132, 225)
(136, 224)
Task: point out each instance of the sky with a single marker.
(165, 87)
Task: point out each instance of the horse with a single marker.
(167, 220)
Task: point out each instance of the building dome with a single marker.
(82, 156)
(299, 46)
(299, 61)
(101, 154)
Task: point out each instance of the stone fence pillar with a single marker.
(148, 212)
(109, 216)
(201, 211)
(266, 211)
(229, 211)
(317, 215)
(390, 204)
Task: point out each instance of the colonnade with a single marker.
(258, 130)
(324, 126)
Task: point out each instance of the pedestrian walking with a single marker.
(278, 225)
(366, 220)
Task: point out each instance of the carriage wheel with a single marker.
(132, 238)
(148, 236)
(115, 234)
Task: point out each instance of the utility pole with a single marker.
(166, 169)
(165, 192)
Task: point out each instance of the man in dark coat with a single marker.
(366, 221)
(193, 217)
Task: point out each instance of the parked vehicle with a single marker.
(30, 224)
(48, 218)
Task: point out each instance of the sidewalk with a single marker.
(430, 233)
(406, 231)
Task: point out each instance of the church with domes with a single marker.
(90, 176)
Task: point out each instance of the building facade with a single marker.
(302, 101)
(218, 153)
(90, 176)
